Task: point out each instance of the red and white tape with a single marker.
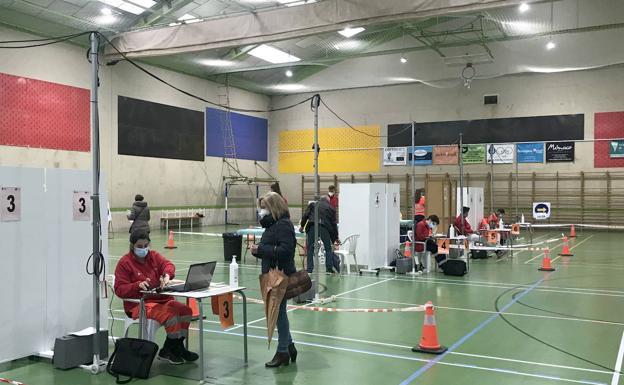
(344, 310)
(7, 381)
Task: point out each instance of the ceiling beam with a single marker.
(286, 23)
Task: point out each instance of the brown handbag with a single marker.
(298, 283)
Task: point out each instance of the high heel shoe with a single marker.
(293, 352)
(278, 360)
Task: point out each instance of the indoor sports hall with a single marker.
(315, 191)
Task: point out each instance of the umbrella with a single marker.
(273, 286)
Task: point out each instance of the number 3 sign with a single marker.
(10, 204)
(82, 206)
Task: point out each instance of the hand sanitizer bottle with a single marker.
(234, 272)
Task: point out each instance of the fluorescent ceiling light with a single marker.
(191, 21)
(292, 3)
(289, 87)
(289, 73)
(105, 19)
(216, 63)
(402, 79)
(186, 16)
(403, 59)
(144, 3)
(106, 11)
(349, 32)
(524, 7)
(348, 45)
(174, 24)
(551, 45)
(272, 55)
(131, 8)
(128, 7)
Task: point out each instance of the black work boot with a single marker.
(168, 352)
(293, 352)
(181, 351)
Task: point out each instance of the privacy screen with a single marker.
(159, 131)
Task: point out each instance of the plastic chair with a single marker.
(149, 331)
(344, 253)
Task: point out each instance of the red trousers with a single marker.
(173, 315)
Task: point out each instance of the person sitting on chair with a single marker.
(463, 227)
(423, 234)
(142, 269)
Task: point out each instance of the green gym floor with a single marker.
(560, 327)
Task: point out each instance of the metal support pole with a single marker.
(517, 211)
(95, 151)
(316, 99)
(491, 153)
(461, 190)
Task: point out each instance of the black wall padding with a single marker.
(528, 129)
(159, 131)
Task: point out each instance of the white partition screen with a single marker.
(44, 254)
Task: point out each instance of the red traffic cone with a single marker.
(429, 338)
(408, 249)
(170, 244)
(572, 232)
(546, 266)
(565, 252)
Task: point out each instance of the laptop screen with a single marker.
(200, 276)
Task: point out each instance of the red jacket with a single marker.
(422, 233)
(129, 273)
(467, 228)
(333, 201)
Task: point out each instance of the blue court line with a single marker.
(465, 338)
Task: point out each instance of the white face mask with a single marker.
(331, 194)
(263, 213)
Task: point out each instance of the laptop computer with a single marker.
(198, 277)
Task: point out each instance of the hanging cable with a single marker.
(156, 77)
(41, 42)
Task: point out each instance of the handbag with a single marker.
(132, 357)
(298, 283)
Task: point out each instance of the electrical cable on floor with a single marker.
(502, 316)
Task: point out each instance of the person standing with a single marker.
(328, 233)
(142, 269)
(139, 214)
(277, 249)
(275, 187)
(333, 199)
(419, 206)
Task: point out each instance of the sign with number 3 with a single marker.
(10, 204)
(82, 206)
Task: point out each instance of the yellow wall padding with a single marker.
(331, 161)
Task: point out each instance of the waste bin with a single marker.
(232, 245)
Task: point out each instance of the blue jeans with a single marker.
(283, 329)
(330, 258)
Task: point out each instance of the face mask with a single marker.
(331, 194)
(141, 253)
(263, 213)
(431, 225)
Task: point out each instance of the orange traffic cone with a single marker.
(429, 338)
(192, 303)
(546, 262)
(565, 252)
(572, 232)
(170, 244)
(408, 249)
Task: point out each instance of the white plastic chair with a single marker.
(149, 331)
(350, 245)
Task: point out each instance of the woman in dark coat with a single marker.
(140, 214)
(277, 248)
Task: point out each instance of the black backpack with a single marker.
(132, 357)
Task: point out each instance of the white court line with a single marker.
(492, 312)
(310, 304)
(409, 347)
(618, 363)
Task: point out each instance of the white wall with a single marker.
(584, 92)
(163, 182)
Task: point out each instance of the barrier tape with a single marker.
(589, 226)
(343, 310)
(206, 234)
(7, 381)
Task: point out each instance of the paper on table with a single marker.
(85, 332)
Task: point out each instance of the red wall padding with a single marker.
(39, 114)
(607, 125)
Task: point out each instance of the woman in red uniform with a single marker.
(419, 206)
(142, 269)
